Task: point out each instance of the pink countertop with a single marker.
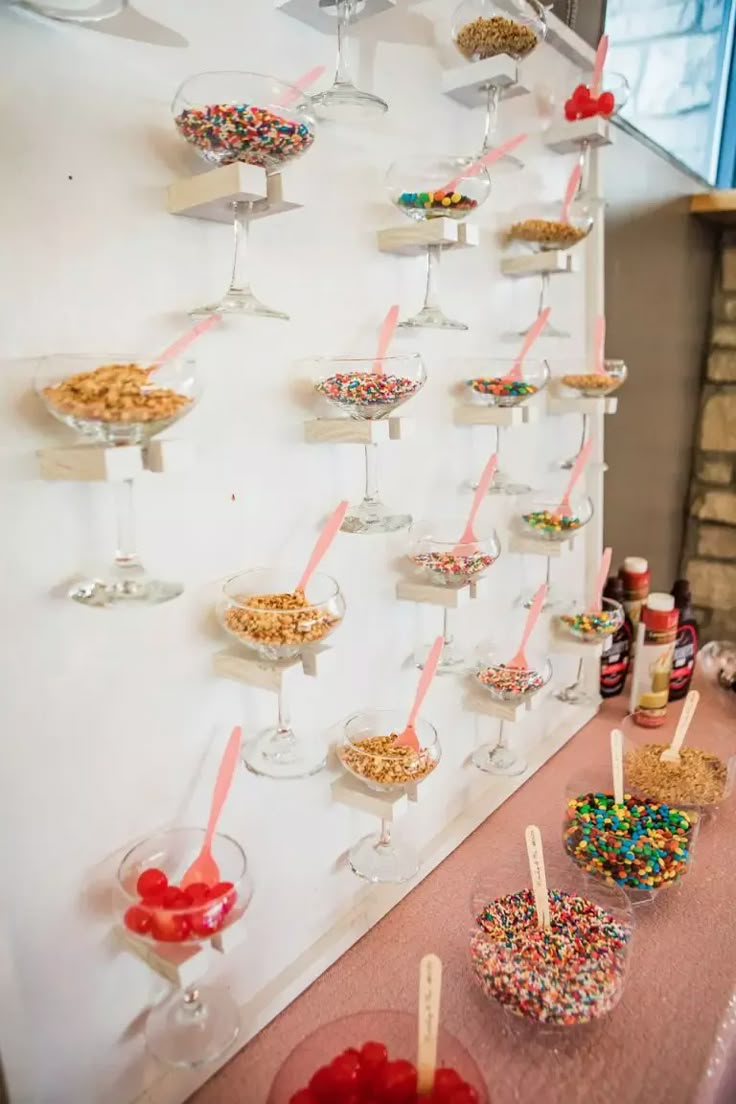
(671, 1040)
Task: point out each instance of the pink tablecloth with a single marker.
(671, 1040)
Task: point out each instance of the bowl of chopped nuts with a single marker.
(595, 384)
(117, 400)
(483, 29)
(542, 227)
(261, 609)
(370, 751)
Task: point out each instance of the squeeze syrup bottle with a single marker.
(686, 644)
(636, 578)
(650, 684)
(616, 660)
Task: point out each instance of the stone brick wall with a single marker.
(709, 559)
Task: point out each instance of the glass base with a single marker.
(345, 102)
(551, 601)
(277, 754)
(498, 760)
(191, 1029)
(124, 588)
(549, 331)
(373, 517)
(239, 302)
(431, 318)
(452, 662)
(383, 862)
(92, 12)
(506, 164)
(505, 486)
(575, 695)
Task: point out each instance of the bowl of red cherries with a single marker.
(367, 1058)
(584, 103)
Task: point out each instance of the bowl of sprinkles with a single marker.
(541, 518)
(499, 383)
(368, 388)
(370, 752)
(433, 187)
(564, 975)
(541, 228)
(592, 626)
(247, 117)
(512, 684)
(435, 554)
(641, 845)
(595, 385)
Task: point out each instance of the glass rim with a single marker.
(104, 360)
(347, 359)
(456, 523)
(546, 672)
(250, 74)
(135, 898)
(333, 584)
(435, 742)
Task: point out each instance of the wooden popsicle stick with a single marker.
(535, 854)
(428, 1021)
(672, 753)
(617, 765)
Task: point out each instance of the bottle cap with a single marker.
(660, 603)
(635, 565)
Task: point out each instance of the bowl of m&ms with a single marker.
(542, 517)
(608, 101)
(369, 1058)
(160, 905)
(369, 388)
(506, 383)
(564, 975)
(593, 625)
(437, 554)
(239, 116)
(597, 384)
(638, 844)
(434, 187)
(506, 683)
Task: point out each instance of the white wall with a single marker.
(112, 723)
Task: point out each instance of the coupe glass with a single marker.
(130, 412)
(498, 758)
(482, 29)
(197, 1024)
(540, 228)
(251, 118)
(592, 626)
(411, 181)
(252, 611)
(343, 101)
(494, 963)
(368, 389)
(591, 385)
(398, 1033)
(537, 512)
(438, 558)
(378, 857)
(593, 849)
(617, 85)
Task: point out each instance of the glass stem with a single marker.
(371, 474)
(584, 162)
(501, 741)
(544, 292)
(125, 554)
(549, 571)
(345, 10)
(283, 726)
(585, 433)
(384, 838)
(579, 675)
(446, 630)
(431, 295)
(193, 1006)
(239, 281)
(492, 96)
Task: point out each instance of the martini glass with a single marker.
(343, 102)
(419, 187)
(195, 1025)
(131, 405)
(251, 118)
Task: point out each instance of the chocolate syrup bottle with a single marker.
(616, 660)
(686, 644)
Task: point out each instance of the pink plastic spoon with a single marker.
(204, 868)
(186, 339)
(599, 344)
(300, 84)
(531, 337)
(487, 159)
(468, 535)
(385, 338)
(565, 509)
(600, 60)
(408, 738)
(324, 541)
(600, 580)
(572, 187)
(535, 609)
